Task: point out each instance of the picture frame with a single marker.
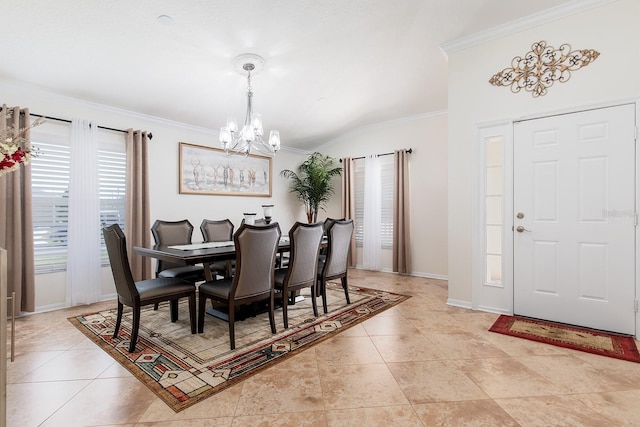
(208, 170)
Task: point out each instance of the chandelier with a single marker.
(248, 138)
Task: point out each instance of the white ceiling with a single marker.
(331, 65)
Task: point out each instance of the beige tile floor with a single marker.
(421, 363)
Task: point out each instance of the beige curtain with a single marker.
(401, 229)
(16, 221)
(348, 201)
(137, 218)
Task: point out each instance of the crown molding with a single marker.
(294, 150)
(549, 15)
(382, 125)
(37, 92)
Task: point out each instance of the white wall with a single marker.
(611, 29)
(427, 136)
(166, 203)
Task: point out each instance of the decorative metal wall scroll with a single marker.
(541, 67)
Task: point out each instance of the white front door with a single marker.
(574, 218)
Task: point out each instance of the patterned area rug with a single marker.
(587, 340)
(183, 369)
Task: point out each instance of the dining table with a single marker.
(205, 253)
(199, 253)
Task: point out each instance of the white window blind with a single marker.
(50, 199)
(112, 162)
(50, 189)
(386, 221)
(386, 179)
(359, 200)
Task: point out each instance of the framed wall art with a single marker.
(207, 170)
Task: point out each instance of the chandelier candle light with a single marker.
(249, 137)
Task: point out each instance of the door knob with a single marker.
(520, 215)
(520, 229)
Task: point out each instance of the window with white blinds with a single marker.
(50, 201)
(386, 180)
(386, 223)
(112, 163)
(50, 191)
(358, 192)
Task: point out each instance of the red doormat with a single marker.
(587, 340)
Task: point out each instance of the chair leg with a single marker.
(346, 288)
(155, 306)
(313, 300)
(232, 321)
(192, 312)
(118, 320)
(272, 317)
(134, 328)
(202, 307)
(228, 271)
(323, 291)
(285, 303)
(174, 310)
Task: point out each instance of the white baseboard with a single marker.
(413, 273)
(459, 303)
(430, 276)
(60, 306)
(46, 308)
(494, 310)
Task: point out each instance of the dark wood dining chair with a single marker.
(302, 271)
(218, 231)
(167, 233)
(175, 233)
(335, 264)
(256, 248)
(137, 294)
(282, 259)
(328, 221)
(323, 251)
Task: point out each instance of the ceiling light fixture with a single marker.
(165, 20)
(248, 138)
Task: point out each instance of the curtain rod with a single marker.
(149, 135)
(409, 150)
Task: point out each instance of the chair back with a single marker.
(171, 233)
(305, 242)
(216, 230)
(328, 221)
(338, 246)
(117, 249)
(256, 248)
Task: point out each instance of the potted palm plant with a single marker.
(312, 184)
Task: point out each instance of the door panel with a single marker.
(545, 267)
(574, 247)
